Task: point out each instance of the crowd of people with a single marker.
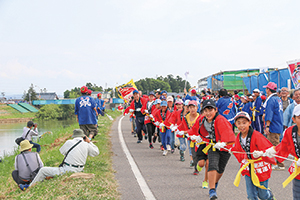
(266, 126)
(29, 167)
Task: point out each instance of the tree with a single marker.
(76, 91)
(30, 95)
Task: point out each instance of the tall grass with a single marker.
(102, 186)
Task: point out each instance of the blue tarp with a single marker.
(209, 82)
(259, 81)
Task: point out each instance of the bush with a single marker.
(48, 112)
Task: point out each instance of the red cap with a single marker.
(263, 97)
(99, 94)
(193, 91)
(236, 96)
(89, 91)
(83, 89)
(194, 103)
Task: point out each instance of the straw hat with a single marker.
(25, 145)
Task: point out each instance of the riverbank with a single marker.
(102, 186)
(10, 115)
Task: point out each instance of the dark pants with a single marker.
(15, 175)
(36, 145)
(139, 121)
(150, 131)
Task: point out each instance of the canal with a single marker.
(9, 132)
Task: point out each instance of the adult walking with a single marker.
(138, 106)
(86, 113)
(273, 118)
(257, 112)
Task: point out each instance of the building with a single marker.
(47, 96)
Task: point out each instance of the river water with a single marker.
(9, 132)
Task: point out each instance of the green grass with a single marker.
(102, 186)
(9, 112)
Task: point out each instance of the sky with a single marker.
(59, 45)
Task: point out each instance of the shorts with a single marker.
(200, 155)
(89, 129)
(217, 160)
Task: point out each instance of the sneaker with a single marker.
(151, 146)
(173, 150)
(23, 187)
(196, 172)
(165, 152)
(146, 136)
(213, 194)
(139, 141)
(276, 167)
(205, 185)
(134, 135)
(154, 139)
(168, 147)
(161, 147)
(191, 163)
(199, 168)
(182, 158)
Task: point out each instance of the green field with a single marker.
(7, 112)
(102, 186)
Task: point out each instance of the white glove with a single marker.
(193, 137)
(174, 128)
(172, 125)
(146, 111)
(138, 109)
(180, 132)
(220, 145)
(161, 125)
(131, 110)
(257, 154)
(151, 116)
(198, 139)
(298, 162)
(270, 152)
(156, 123)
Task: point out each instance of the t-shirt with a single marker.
(208, 127)
(84, 108)
(243, 140)
(285, 104)
(191, 123)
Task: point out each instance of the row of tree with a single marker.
(168, 83)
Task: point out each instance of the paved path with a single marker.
(169, 178)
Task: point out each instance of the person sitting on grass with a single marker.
(255, 165)
(75, 151)
(27, 163)
(29, 131)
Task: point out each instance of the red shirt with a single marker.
(223, 131)
(158, 117)
(287, 147)
(263, 169)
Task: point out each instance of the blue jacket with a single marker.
(84, 108)
(226, 108)
(288, 114)
(246, 108)
(258, 106)
(274, 113)
(99, 103)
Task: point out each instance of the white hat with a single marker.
(242, 114)
(256, 90)
(296, 111)
(170, 98)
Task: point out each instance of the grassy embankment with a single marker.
(102, 186)
(9, 112)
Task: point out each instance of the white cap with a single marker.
(250, 97)
(256, 90)
(170, 98)
(296, 111)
